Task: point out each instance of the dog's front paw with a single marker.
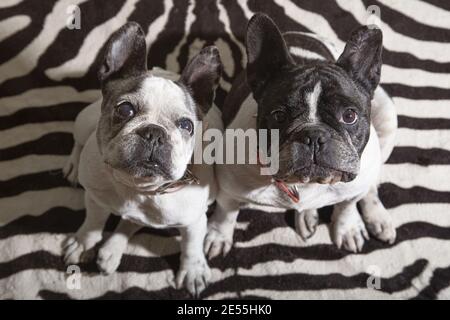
(306, 223)
(350, 233)
(217, 242)
(194, 275)
(108, 258)
(74, 251)
(381, 226)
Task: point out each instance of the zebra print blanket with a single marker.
(48, 75)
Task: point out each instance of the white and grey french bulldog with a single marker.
(133, 151)
(336, 129)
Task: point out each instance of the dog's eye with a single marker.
(186, 124)
(279, 116)
(126, 110)
(349, 116)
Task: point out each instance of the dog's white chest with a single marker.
(161, 211)
(142, 210)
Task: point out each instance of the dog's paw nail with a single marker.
(306, 223)
(108, 260)
(72, 251)
(194, 276)
(382, 229)
(350, 235)
(217, 243)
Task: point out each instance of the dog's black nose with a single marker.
(154, 134)
(314, 137)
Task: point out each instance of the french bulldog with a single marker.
(336, 128)
(133, 151)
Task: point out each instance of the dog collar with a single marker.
(187, 179)
(291, 192)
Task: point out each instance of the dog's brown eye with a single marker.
(186, 124)
(279, 116)
(126, 110)
(349, 116)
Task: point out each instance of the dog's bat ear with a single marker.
(201, 76)
(125, 54)
(267, 52)
(361, 58)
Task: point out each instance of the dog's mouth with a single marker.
(153, 168)
(316, 174)
(143, 169)
(147, 176)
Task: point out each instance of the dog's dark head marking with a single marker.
(322, 108)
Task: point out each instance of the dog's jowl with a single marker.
(330, 150)
(133, 151)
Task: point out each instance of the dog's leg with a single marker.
(84, 126)
(110, 253)
(194, 272)
(348, 229)
(219, 238)
(70, 170)
(306, 223)
(377, 218)
(383, 116)
(88, 235)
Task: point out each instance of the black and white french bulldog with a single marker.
(133, 151)
(336, 129)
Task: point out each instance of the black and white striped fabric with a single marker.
(48, 75)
